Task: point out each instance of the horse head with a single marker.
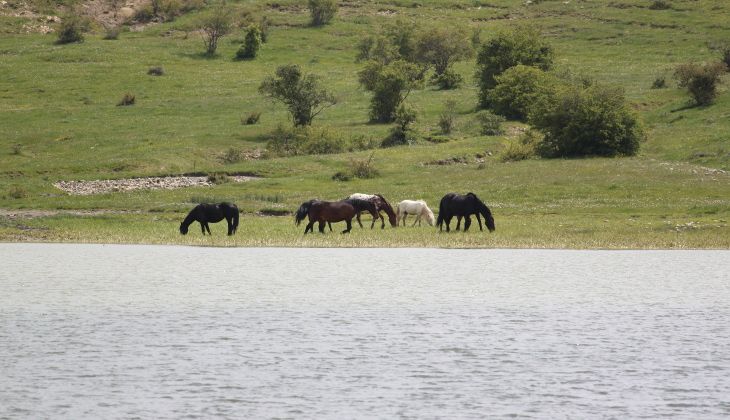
(183, 229)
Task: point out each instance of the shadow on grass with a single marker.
(199, 55)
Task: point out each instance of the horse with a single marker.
(333, 211)
(453, 204)
(380, 204)
(211, 213)
(418, 207)
(303, 210)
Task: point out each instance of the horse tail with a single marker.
(442, 212)
(302, 212)
(235, 217)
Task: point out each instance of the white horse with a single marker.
(419, 208)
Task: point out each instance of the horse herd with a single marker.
(327, 212)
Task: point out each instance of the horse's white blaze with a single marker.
(417, 207)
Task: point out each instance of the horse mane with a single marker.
(484, 210)
(303, 211)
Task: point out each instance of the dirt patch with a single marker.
(460, 160)
(133, 184)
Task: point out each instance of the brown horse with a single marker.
(324, 212)
(380, 204)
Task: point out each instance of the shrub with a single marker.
(264, 29)
(363, 168)
(145, 13)
(156, 71)
(71, 29)
(219, 178)
(17, 192)
(111, 32)
(322, 11)
(726, 56)
(402, 132)
(390, 85)
(659, 83)
(517, 89)
(586, 121)
(508, 49)
(304, 141)
(232, 156)
(701, 81)
(522, 148)
(446, 118)
(213, 26)
(301, 93)
(251, 119)
(251, 44)
(341, 176)
(660, 5)
(127, 99)
(440, 48)
(490, 124)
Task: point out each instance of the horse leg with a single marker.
(310, 227)
(357, 217)
(321, 227)
(404, 218)
(418, 219)
(202, 227)
(330, 225)
(230, 226)
(479, 220)
(349, 226)
(448, 223)
(458, 222)
(382, 221)
(467, 222)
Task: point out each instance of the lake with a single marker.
(114, 331)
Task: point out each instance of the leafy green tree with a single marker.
(301, 93)
(390, 83)
(586, 121)
(439, 48)
(701, 81)
(508, 49)
(518, 88)
(251, 44)
(322, 11)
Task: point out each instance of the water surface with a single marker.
(104, 331)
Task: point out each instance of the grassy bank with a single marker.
(59, 121)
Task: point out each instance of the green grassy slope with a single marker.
(59, 121)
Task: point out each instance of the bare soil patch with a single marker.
(133, 184)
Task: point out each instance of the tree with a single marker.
(700, 81)
(390, 83)
(301, 93)
(508, 49)
(72, 28)
(213, 26)
(440, 48)
(322, 11)
(586, 121)
(251, 44)
(518, 88)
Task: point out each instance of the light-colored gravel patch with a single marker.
(132, 184)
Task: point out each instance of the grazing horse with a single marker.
(303, 211)
(460, 206)
(211, 213)
(333, 211)
(380, 204)
(418, 207)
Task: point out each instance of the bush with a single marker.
(363, 168)
(71, 29)
(440, 48)
(251, 119)
(490, 124)
(586, 121)
(219, 178)
(402, 133)
(517, 89)
(508, 49)
(145, 13)
(449, 79)
(214, 25)
(251, 44)
(301, 93)
(127, 99)
(156, 71)
(522, 148)
(701, 81)
(446, 118)
(390, 84)
(322, 11)
(660, 5)
(304, 141)
(659, 83)
(111, 32)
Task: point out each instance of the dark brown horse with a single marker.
(380, 204)
(324, 212)
(453, 204)
(211, 213)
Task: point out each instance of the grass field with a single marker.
(59, 121)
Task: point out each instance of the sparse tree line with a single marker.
(572, 116)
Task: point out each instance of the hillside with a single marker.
(59, 121)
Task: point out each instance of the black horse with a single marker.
(213, 213)
(453, 204)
